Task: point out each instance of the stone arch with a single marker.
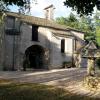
(36, 57)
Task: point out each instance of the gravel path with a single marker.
(61, 76)
(70, 79)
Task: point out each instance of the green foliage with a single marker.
(16, 2)
(98, 35)
(22, 4)
(61, 20)
(98, 63)
(91, 82)
(70, 21)
(67, 64)
(83, 23)
(81, 6)
(87, 25)
(97, 24)
(3, 6)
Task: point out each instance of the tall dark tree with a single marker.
(87, 25)
(83, 6)
(3, 6)
(25, 4)
(16, 2)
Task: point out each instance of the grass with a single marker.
(29, 91)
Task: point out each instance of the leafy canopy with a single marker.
(23, 4)
(83, 6)
(84, 23)
(16, 2)
(71, 20)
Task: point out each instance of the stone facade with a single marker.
(15, 46)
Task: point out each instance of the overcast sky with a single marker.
(37, 9)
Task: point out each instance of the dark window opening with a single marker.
(34, 33)
(10, 22)
(62, 45)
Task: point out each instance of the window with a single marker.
(62, 45)
(34, 33)
(10, 22)
(12, 26)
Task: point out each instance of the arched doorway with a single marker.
(35, 57)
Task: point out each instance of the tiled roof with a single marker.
(43, 22)
(91, 46)
(40, 22)
(37, 21)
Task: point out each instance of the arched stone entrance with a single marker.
(35, 57)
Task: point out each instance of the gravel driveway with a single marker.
(59, 76)
(70, 79)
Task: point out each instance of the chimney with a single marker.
(49, 12)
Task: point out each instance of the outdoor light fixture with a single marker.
(98, 4)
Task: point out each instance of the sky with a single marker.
(37, 9)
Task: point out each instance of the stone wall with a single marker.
(26, 39)
(16, 45)
(48, 41)
(57, 58)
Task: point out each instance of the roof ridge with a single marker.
(40, 21)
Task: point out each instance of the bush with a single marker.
(91, 82)
(98, 63)
(67, 64)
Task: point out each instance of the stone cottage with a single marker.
(37, 42)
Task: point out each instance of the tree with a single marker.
(22, 4)
(87, 25)
(83, 6)
(83, 23)
(61, 20)
(3, 6)
(70, 21)
(97, 25)
(15, 2)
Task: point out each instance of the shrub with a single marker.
(67, 64)
(98, 63)
(91, 82)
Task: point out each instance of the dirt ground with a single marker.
(70, 79)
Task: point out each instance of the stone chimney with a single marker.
(49, 12)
